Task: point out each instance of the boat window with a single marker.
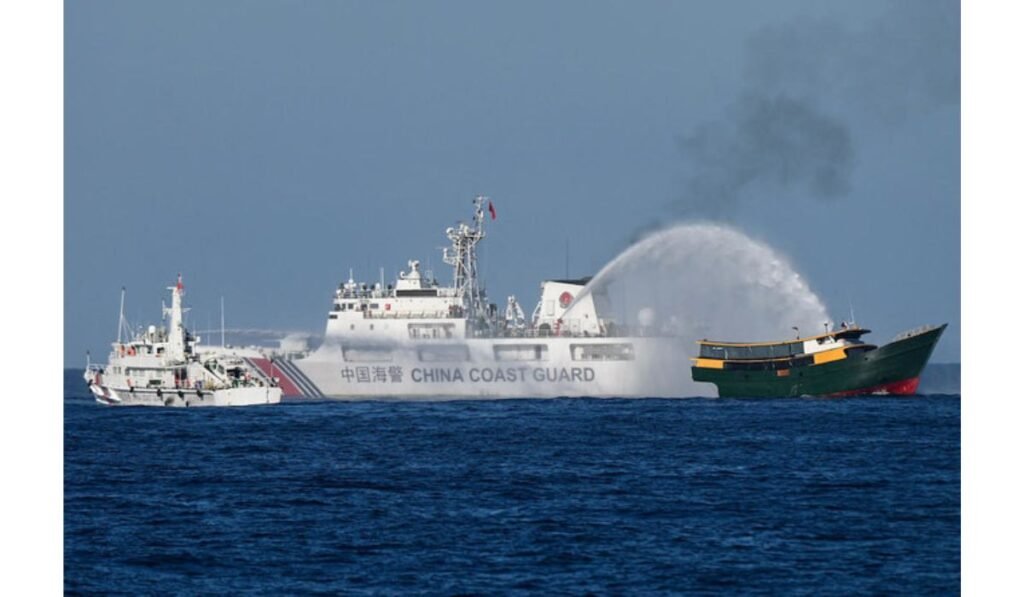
(602, 352)
(416, 292)
(444, 352)
(438, 331)
(366, 354)
(762, 352)
(520, 352)
(710, 351)
(769, 365)
(858, 350)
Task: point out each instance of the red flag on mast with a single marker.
(490, 208)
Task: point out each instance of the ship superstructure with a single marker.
(167, 366)
(419, 338)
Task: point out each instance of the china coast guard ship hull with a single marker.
(418, 339)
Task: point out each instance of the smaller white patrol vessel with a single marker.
(167, 367)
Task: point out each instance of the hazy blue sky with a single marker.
(264, 148)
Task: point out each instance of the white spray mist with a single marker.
(704, 280)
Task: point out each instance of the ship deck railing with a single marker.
(412, 315)
(539, 333)
(914, 332)
(370, 294)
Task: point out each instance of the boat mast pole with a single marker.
(120, 317)
(222, 322)
(462, 257)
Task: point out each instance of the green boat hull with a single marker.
(894, 369)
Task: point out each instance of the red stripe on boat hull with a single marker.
(288, 387)
(906, 387)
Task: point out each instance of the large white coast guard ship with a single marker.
(418, 339)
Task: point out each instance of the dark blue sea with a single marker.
(794, 496)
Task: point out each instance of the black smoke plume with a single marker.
(788, 130)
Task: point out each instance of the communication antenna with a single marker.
(120, 317)
(462, 256)
(430, 270)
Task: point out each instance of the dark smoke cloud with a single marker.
(788, 128)
(779, 140)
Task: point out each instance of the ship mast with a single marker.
(176, 331)
(462, 257)
(120, 317)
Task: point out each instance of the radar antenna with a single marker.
(122, 323)
(462, 257)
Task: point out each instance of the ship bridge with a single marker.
(428, 310)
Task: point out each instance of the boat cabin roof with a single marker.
(766, 351)
(848, 333)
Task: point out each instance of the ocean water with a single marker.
(795, 496)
